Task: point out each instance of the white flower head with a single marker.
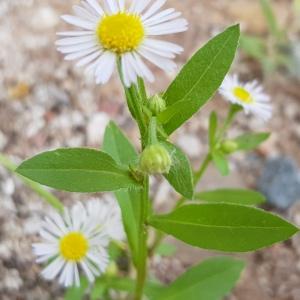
(111, 29)
(77, 239)
(250, 96)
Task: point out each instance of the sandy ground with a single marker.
(47, 103)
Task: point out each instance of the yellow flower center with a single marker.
(120, 33)
(73, 246)
(243, 95)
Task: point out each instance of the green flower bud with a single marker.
(155, 160)
(156, 104)
(229, 146)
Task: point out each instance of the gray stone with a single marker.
(280, 182)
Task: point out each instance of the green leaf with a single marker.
(251, 141)
(221, 162)
(234, 196)
(181, 174)
(213, 279)
(165, 249)
(77, 293)
(224, 227)
(119, 147)
(213, 126)
(129, 202)
(77, 170)
(199, 79)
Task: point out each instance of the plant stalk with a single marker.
(143, 251)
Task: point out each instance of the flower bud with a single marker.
(155, 160)
(156, 104)
(229, 146)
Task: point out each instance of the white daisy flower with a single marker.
(79, 238)
(111, 30)
(249, 95)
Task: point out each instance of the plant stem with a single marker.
(143, 252)
(49, 197)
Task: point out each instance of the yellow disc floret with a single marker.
(73, 246)
(243, 95)
(120, 33)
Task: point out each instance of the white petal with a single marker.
(45, 249)
(159, 52)
(65, 277)
(162, 45)
(75, 33)
(95, 5)
(143, 68)
(86, 60)
(163, 63)
(153, 9)
(74, 40)
(175, 26)
(84, 14)
(105, 67)
(76, 48)
(76, 21)
(111, 6)
(82, 53)
(53, 269)
(87, 271)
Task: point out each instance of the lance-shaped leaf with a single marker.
(77, 170)
(251, 141)
(213, 279)
(199, 79)
(224, 227)
(119, 147)
(234, 196)
(181, 174)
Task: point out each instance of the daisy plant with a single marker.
(85, 245)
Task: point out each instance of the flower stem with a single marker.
(143, 251)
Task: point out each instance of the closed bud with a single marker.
(156, 104)
(229, 146)
(155, 159)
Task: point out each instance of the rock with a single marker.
(280, 182)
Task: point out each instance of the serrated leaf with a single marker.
(181, 174)
(77, 170)
(221, 162)
(212, 279)
(251, 141)
(234, 196)
(199, 79)
(119, 147)
(224, 227)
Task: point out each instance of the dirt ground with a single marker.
(46, 103)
